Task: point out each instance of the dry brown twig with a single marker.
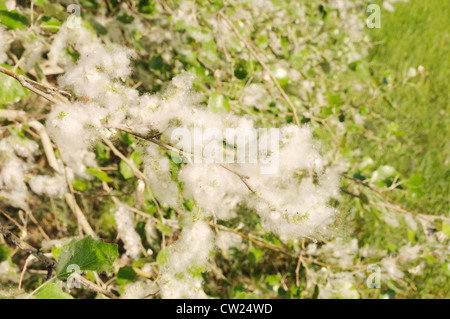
(10, 237)
(31, 85)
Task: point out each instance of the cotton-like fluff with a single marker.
(16, 157)
(255, 95)
(139, 289)
(126, 231)
(35, 45)
(293, 201)
(47, 185)
(13, 190)
(228, 240)
(216, 191)
(338, 252)
(15, 146)
(68, 36)
(4, 45)
(180, 276)
(96, 68)
(340, 285)
(76, 124)
(158, 170)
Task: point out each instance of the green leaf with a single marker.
(50, 23)
(99, 174)
(363, 198)
(180, 25)
(39, 3)
(240, 70)
(125, 170)
(79, 185)
(164, 229)
(273, 281)
(125, 18)
(189, 204)
(125, 275)
(162, 256)
(89, 4)
(56, 11)
(411, 236)
(244, 295)
(11, 91)
(146, 6)
(334, 100)
(255, 254)
(56, 252)
(446, 229)
(98, 27)
(4, 252)
(415, 180)
(52, 290)
(218, 102)
(136, 158)
(127, 138)
(87, 254)
(101, 152)
(156, 62)
(13, 20)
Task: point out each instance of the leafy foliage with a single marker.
(87, 254)
(375, 101)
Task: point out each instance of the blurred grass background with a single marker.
(415, 110)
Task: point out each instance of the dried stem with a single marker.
(31, 85)
(187, 155)
(10, 237)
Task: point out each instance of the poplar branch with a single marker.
(31, 85)
(10, 237)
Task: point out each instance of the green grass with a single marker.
(417, 33)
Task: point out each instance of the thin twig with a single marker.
(265, 67)
(95, 287)
(10, 237)
(187, 155)
(30, 85)
(395, 205)
(256, 242)
(119, 154)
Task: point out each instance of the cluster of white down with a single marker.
(16, 160)
(292, 202)
(127, 233)
(4, 45)
(96, 80)
(179, 276)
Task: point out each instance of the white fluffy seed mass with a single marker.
(291, 201)
(127, 232)
(180, 276)
(4, 45)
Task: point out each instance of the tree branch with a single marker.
(10, 237)
(30, 85)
